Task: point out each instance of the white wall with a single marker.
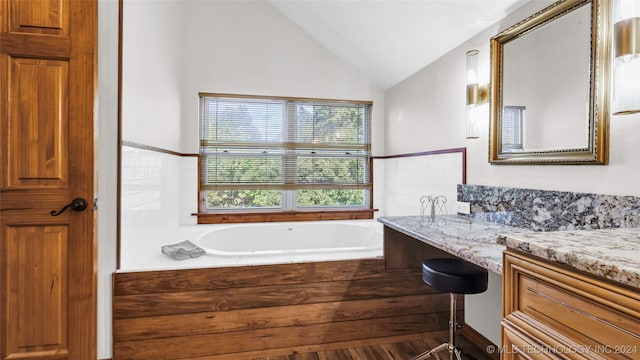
(152, 71)
(173, 50)
(427, 111)
(106, 132)
(248, 47)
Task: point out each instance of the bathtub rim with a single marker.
(367, 224)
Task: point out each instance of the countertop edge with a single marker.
(573, 258)
(482, 261)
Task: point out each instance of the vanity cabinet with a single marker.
(553, 312)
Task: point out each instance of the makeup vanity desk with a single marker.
(566, 294)
(471, 238)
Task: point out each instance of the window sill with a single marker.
(310, 215)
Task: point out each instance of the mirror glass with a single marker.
(545, 72)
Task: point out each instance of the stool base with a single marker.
(451, 345)
(444, 346)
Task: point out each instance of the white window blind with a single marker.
(283, 144)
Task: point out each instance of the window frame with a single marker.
(290, 211)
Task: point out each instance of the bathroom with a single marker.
(424, 112)
(416, 105)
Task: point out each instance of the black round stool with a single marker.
(454, 276)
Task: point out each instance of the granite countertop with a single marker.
(472, 239)
(613, 254)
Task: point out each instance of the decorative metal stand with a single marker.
(430, 206)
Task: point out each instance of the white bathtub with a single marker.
(291, 239)
(294, 241)
(258, 244)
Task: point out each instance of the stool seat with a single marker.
(454, 276)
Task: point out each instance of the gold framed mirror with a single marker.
(550, 76)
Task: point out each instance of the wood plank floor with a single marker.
(392, 351)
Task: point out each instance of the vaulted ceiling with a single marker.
(390, 40)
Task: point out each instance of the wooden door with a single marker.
(47, 263)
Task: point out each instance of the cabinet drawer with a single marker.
(518, 346)
(571, 311)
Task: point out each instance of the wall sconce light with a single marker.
(476, 95)
(626, 65)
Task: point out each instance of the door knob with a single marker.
(77, 204)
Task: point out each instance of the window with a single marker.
(512, 128)
(279, 154)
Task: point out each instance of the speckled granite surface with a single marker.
(542, 210)
(613, 254)
(472, 239)
(598, 234)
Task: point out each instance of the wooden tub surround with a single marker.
(252, 311)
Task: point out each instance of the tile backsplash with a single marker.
(153, 187)
(406, 179)
(546, 210)
(158, 196)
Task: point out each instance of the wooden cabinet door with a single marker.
(552, 310)
(47, 263)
